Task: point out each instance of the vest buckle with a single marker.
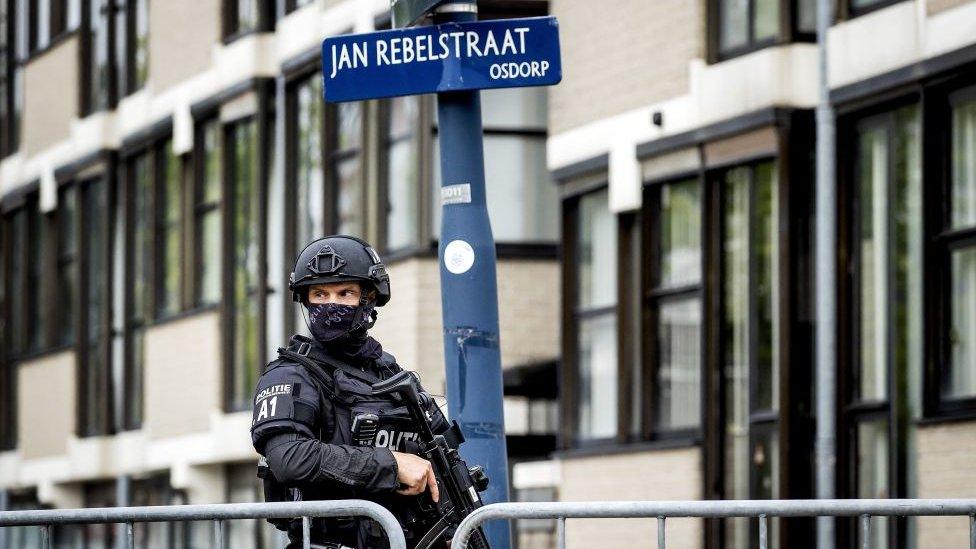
(304, 348)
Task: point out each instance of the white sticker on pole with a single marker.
(458, 257)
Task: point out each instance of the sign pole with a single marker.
(469, 288)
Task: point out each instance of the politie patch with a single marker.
(274, 390)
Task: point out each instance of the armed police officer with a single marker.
(323, 432)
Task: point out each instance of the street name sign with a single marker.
(504, 53)
(407, 12)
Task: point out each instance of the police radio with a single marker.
(364, 427)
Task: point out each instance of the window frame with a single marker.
(85, 426)
(569, 436)
(653, 297)
(848, 11)
(789, 30)
(940, 244)
(86, 97)
(200, 208)
(262, 118)
(386, 142)
(230, 31)
(852, 411)
(10, 125)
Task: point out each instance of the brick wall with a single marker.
(659, 475)
(936, 6)
(619, 55)
(50, 96)
(945, 470)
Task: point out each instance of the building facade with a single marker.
(164, 160)
(163, 164)
(682, 141)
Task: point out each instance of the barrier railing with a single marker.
(865, 509)
(218, 513)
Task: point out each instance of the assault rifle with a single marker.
(459, 485)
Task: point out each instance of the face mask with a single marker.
(331, 321)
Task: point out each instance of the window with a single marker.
(958, 381)
(749, 364)
(8, 393)
(243, 486)
(98, 536)
(243, 17)
(674, 334)
(138, 315)
(154, 261)
(48, 20)
(594, 261)
(402, 174)
(743, 26)
(67, 268)
(169, 230)
(208, 196)
(37, 227)
(305, 123)
(860, 7)
(346, 171)
(98, 89)
(292, 5)
(131, 44)
(95, 412)
(9, 80)
(515, 129)
(884, 363)
(22, 536)
(154, 490)
(17, 237)
(246, 287)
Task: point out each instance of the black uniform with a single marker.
(304, 410)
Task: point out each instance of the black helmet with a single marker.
(339, 258)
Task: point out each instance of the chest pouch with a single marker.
(370, 420)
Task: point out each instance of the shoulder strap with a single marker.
(312, 363)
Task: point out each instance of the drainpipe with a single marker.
(826, 285)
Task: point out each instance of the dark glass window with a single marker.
(346, 169)
(305, 125)
(37, 315)
(292, 5)
(95, 381)
(131, 44)
(750, 365)
(309, 186)
(17, 280)
(522, 200)
(959, 377)
(169, 230)
(245, 291)
(9, 80)
(244, 487)
(153, 490)
(402, 157)
(885, 361)
(207, 210)
(99, 536)
(743, 26)
(67, 264)
(139, 261)
(99, 91)
(595, 254)
(7, 379)
(27, 537)
(676, 305)
(245, 16)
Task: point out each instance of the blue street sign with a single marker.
(504, 53)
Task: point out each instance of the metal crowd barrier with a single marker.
(218, 513)
(762, 509)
